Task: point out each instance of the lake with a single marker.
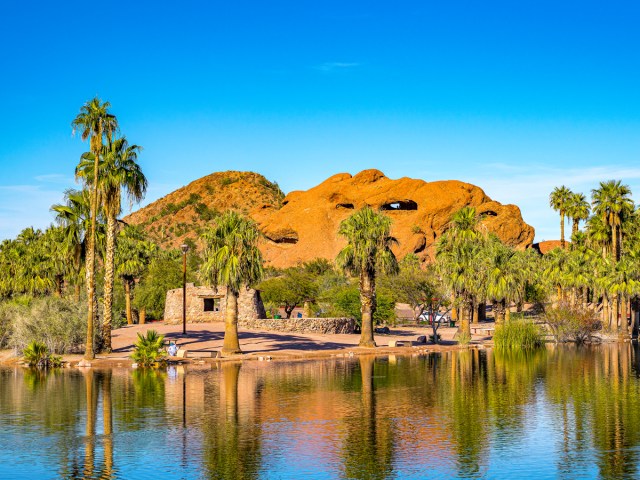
(561, 412)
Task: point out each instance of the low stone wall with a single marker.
(301, 325)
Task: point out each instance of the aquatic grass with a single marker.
(517, 334)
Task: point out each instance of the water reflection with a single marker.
(559, 412)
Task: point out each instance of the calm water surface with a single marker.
(558, 413)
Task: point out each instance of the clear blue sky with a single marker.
(516, 97)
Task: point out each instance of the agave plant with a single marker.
(149, 348)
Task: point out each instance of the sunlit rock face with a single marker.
(307, 224)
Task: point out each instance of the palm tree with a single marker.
(458, 256)
(118, 171)
(501, 276)
(232, 259)
(94, 122)
(132, 256)
(73, 217)
(578, 210)
(559, 200)
(612, 203)
(368, 252)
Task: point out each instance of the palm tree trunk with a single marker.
(367, 286)
(574, 227)
(108, 284)
(127, 300)
(624, 325)
(474, 314)
(464, 330)
(89, 353)
(142, 316)
(615, 309)
(231, 344)
(606, 318)
(562, 242)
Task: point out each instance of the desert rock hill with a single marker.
(306, 226)
(185, 212)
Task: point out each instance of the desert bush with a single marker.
(59, 323)
(571, 322)
(517, 334)
(149, 348)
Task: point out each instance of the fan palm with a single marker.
(118, 171)
(611, 202)
(94, 122)
(560, 200)
(578, 210)
(458, 260)
(368, 252)
(232, 259)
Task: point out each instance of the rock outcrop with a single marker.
(307, 224)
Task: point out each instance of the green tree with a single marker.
(94, 122)
(612, 202)
(560, 201)
(368, 252)
(294, 287)
(118, 172)
(132, 257)
(578, 211)
(232, 259)
(164, 273)
(458, 259)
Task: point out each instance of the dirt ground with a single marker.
(262, 344)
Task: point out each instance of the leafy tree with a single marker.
(578, 210)
(232, 259)
(164, 273)
(94, 122)
(347, 303)
(291, 289)
(368, 252)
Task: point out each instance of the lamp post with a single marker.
(185, 249)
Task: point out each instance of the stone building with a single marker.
(204, 304)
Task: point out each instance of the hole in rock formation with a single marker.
(345, 205)
(400, 205)
(289, 237)
(490, 213)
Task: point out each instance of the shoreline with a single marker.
(263, 345)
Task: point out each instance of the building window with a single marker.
(211, 304)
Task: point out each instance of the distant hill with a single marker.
(304, 224)
(184, 213)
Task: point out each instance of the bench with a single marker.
(488, 330)
(401, 343)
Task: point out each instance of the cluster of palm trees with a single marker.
(50, 262)
(601, 268)
(477, 269)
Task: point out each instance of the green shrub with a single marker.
(571, 323)
(149, 348)
(36, 354)
(347, 303)
(59, 323)
(517, 334)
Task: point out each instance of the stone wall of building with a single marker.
(249, 305)
(301, 325)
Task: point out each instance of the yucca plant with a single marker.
(148, 349)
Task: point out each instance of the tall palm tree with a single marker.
(578, 210)
(560, 200)
(458, 256)
(612, 202)
(118, 171)
(232, 259)
(368, 252)
(94, 122)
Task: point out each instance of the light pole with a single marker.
(185, 249)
